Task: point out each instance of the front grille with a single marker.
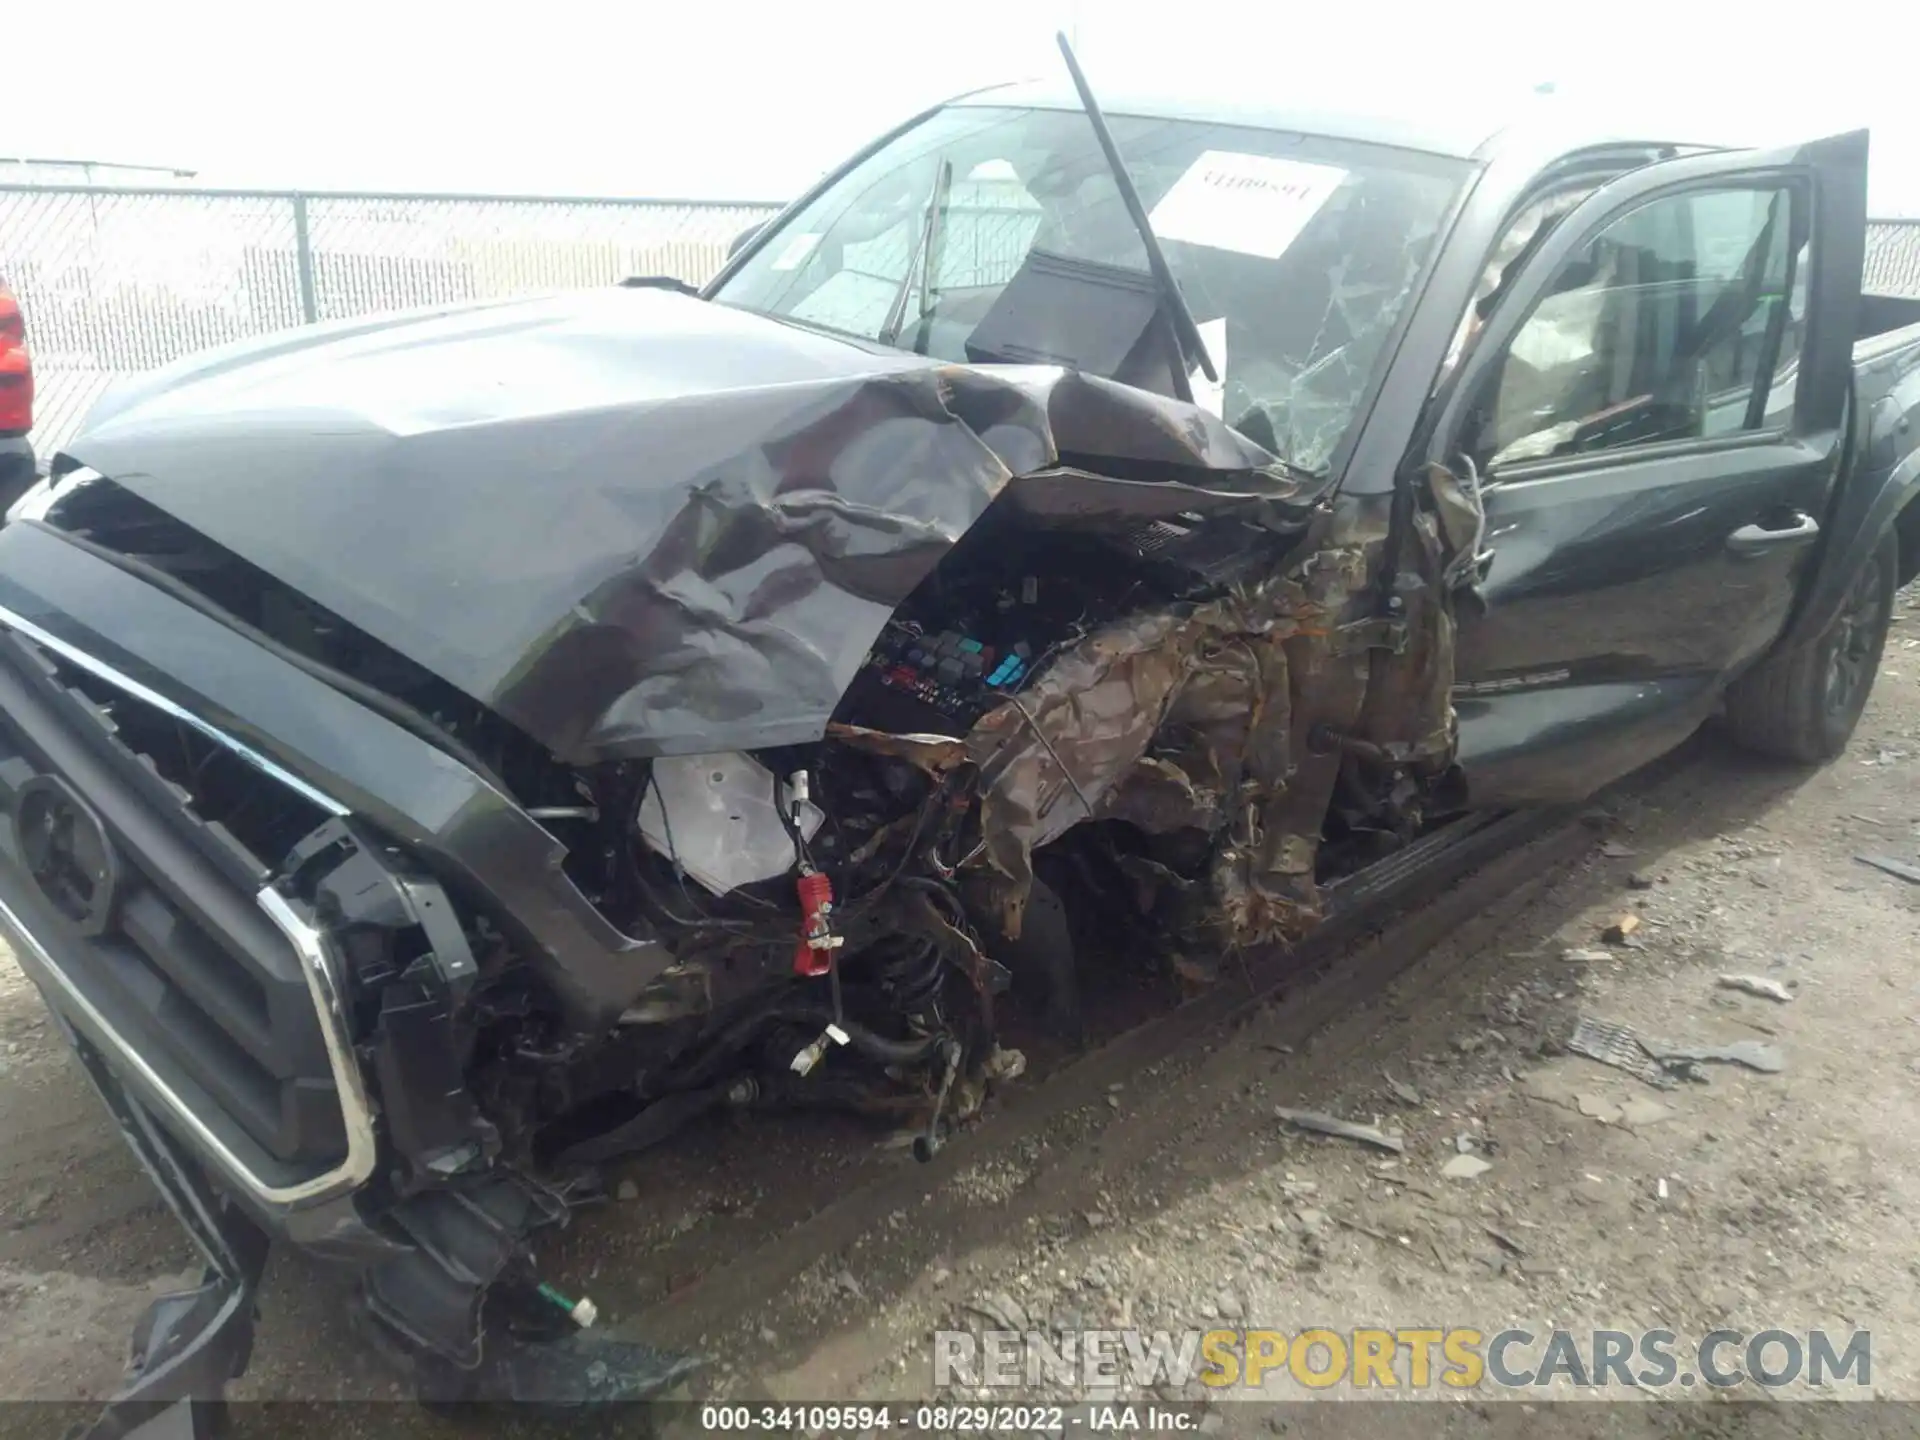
(183, 963)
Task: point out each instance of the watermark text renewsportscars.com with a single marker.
(1408, 1358)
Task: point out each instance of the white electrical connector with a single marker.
(804, 1062)
(583, 1312)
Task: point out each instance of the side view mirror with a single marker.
(743, 239)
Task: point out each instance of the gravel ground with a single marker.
(1177, 1199)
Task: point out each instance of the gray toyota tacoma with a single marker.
(441, 752)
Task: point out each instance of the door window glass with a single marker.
(1778, 408)
(1680, 320)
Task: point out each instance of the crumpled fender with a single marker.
(631, 522)
(1233, 716)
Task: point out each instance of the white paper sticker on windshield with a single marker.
(1254, 204)
(796, 251)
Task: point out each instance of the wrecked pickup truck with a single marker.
(442, 751)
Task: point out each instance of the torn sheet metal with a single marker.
(632, 522)
(1233, 717)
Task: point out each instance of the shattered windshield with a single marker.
(1296, 253)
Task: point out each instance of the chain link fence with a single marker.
(114, 281)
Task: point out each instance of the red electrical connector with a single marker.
(814, 954)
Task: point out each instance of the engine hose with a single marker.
(870, 1043)
(730, 1041)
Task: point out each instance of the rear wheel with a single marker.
(1803, 704)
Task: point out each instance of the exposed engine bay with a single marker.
(1185, 719)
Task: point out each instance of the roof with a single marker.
(1893, 258)
(1456, 131)
(1461, 129)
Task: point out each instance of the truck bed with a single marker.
(1882, 317)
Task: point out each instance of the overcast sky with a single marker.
(754, 100)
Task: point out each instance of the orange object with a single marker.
(16, 369)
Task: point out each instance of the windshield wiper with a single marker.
(1186, 334)
(924, 257)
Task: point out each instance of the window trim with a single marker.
(1584, 174)
(1554, 467)
(1801, 229)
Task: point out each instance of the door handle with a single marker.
(1758, 539)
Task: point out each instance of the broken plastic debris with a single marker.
(1754, 1054)
(1465, 1167)
(1340, 1129)
(1618, 932)
(1618, 1046)
(1756, 985)
(1897, 868)
(1657, 1061)
(1402, 1091)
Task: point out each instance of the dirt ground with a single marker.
(811, 1263)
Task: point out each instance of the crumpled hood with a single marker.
(630, 521)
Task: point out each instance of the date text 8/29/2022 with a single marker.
(1118, 1418)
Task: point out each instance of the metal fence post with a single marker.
(303, 259)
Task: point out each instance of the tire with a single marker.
(1802, 704)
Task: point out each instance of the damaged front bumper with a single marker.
(442, 1257)
(188, 1345)
(208, 1008)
